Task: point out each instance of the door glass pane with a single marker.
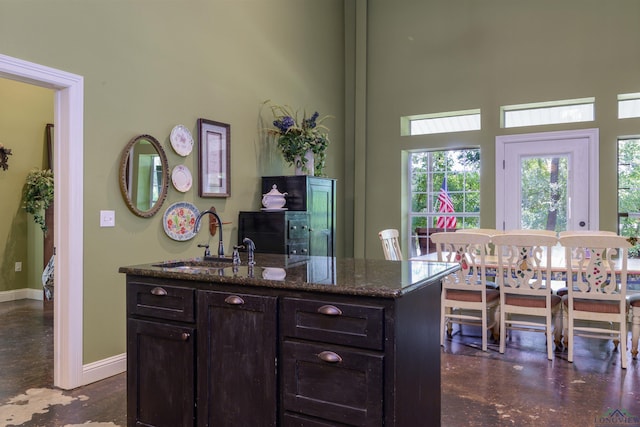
(544, 193)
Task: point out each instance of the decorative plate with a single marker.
(181, 140)
(181, 178)
(179, 220)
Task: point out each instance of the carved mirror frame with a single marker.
(124, 175)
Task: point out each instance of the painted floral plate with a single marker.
(181, 140)
(179, 221)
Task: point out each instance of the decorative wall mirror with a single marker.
(144, 175)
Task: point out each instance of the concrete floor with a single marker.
(519, 388)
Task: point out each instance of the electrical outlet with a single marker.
(107, 218)
(18, 266)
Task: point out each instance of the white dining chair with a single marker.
(466, 298)
(527, 302)
(595, 305)
(390, 244)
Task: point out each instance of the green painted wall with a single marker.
(150, 65)
(442, 55)
(24, 112)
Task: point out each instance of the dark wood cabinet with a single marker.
(237, 360)
(313, 195)
(219, 352)
(279, 232)
(161, 355)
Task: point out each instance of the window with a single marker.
(628, 105)
(629, 189)
(546, 113)
(454, 121)
(428, 170)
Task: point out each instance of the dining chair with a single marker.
(595, 305)
(538, 232)
(390, 244)
(634, 306)
(490, 231)
(466, 297)
(586, 233)
(527, 302)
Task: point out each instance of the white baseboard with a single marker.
(18, 294)
(105, 368)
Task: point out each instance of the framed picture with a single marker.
(214, 147)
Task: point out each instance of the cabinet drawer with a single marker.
(298, 249)
(298, 228)
(333, 322)
(334, 383)
(160, 301)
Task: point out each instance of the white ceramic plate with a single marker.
(181, 178)
(181, 140)
(179, 220)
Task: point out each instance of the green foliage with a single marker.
(296, 136)
(38, 194)
(542, 198)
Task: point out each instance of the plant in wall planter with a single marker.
(4, 157)
(38, 194)
(303, 141)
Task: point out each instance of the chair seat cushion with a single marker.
(593, 306)
(530, 300)
(471, 296)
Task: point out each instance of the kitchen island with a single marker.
(312, 342)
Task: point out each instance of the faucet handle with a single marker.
(206, 249)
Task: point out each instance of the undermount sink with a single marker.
(223, 267)
(196, 264)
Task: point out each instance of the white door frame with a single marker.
(68, 211)
(592, 138)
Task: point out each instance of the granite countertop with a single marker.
(365, 277)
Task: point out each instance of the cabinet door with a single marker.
(160, 374)
(320, 199)
(237, 360)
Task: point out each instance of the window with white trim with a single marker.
(546, 113)
(452, 121)
(427, 172)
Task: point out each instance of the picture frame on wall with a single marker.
(214, 154)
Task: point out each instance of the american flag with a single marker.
(445, 205)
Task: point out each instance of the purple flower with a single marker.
(284, 123)
(310, 123)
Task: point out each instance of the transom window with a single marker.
(546, 113)
(628, 105)
(452, 121)
(431, 174)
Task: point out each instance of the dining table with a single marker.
(558, 266)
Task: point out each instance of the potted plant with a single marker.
(301, 141)
(38, 194)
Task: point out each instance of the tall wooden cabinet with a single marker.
(314, 195)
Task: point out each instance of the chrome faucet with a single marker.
(196, 227)
(251, 247)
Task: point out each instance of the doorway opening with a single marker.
(68, 202)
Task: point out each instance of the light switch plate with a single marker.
(107, 218)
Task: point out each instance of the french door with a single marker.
(547, 181)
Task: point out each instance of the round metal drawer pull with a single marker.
(330, 310)
(234, 300)
(330, 357)
(185, 336)
(158, 291)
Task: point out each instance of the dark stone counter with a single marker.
(347, 276)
